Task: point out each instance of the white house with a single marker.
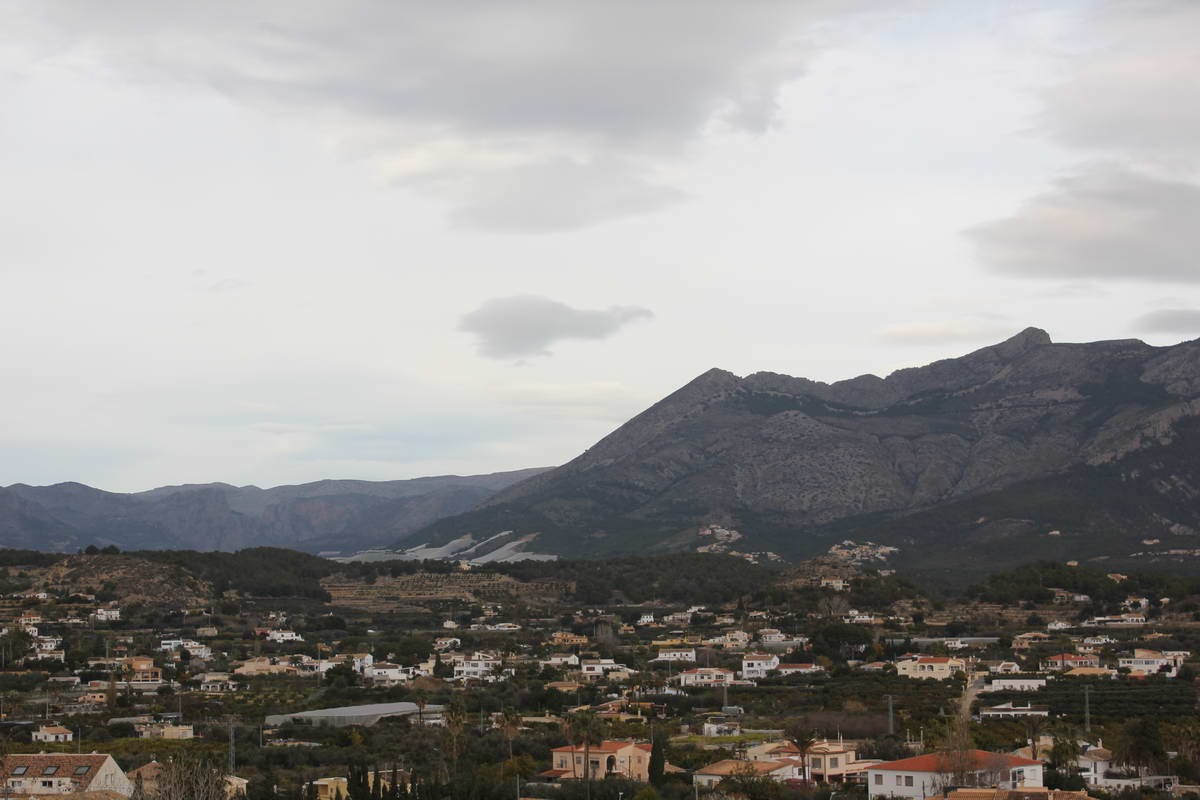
(1011, 711)
(194, 648)
(480, 666)
(1015, 685)
(383, 673)
(561, 660)
(798, 669)
(706, 676)
(281, 636)
(52, 733)
(1093, 762)
(926, 776)
(1153, 662)
(594, 669)
(687, 654)
(758, 665)
(217, 683)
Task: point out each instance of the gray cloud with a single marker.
(1103, 222)
(526, 325)
(1185, 321)
(1133, 92)
(513, 113)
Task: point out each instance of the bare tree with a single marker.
(181, 779)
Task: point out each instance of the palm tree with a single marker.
(456, 721)
(510, 726)
(420, 699)
(1064, 750)
(568, 729)
(589, 730)
(1035, 725)
(803, 742)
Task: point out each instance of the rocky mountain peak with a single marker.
(781, 458)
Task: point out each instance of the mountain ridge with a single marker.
(771, 453)
(339, 515)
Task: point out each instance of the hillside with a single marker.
(331, 515)
(992, 450)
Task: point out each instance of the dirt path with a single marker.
(970, 692)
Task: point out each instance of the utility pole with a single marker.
(891, 716)
(232, 751)
(1087, 709)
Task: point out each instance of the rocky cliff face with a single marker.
(784, 458)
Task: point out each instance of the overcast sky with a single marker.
(268, 243)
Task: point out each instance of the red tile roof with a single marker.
(941, 762)
(67, 764)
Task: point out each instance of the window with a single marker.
(82, 770)
(50, 770)
(19, 770)
(878, 780)
(899, 781)
(908, 780)
(833, 762)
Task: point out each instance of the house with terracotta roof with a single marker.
(1065, 661)
(52, 733)
(733, 768)
(1025, 641)
(608, 759)
(63, 773)
(837, 762)
(928, 775)
(779, 750)
(935, 668)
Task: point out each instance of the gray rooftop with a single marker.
(353, 715)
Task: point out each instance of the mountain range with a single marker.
(331, 515)
(1027, 448)
(1024, 449)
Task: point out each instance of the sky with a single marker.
(275, 242)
